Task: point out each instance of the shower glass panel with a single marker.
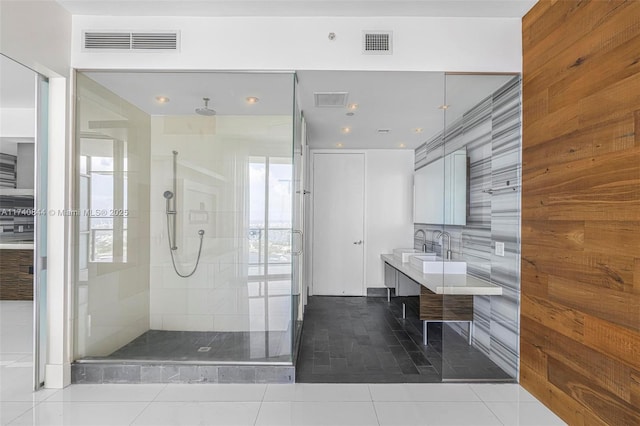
(184, 203)
(482, 127)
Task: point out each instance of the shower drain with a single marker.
(204, 349)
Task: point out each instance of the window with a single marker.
(270, 216)
(103, 201)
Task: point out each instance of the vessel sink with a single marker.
(406, 253)
(433, 265)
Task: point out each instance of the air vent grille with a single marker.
(157, 41)
(131, 40)
(377, 42)
(107, 40)
(330, 99)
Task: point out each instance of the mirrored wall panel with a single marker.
(468, 185)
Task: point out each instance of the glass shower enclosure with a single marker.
(185, 249)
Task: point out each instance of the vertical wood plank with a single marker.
(580, 303)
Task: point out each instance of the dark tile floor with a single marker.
(208, 346)
(365, 340)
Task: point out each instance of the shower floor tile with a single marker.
(366, 340)
(204, 346)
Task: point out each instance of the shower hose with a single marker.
(171, 250)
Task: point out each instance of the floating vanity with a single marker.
(443, 278)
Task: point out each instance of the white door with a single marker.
(338, 224)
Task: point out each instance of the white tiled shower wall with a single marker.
(212, 192)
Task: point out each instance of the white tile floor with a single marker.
(198, 404)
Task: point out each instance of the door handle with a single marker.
(358, 242)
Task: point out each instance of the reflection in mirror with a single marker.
(440, 190)
(17, 151)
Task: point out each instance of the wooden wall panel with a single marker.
(612, 410)
(585, 143)
(580, 310)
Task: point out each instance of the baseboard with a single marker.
(379, 291)
(57, 376)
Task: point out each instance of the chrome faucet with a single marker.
(424, 239)
(442, 234)
(434, 237)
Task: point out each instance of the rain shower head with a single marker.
(206, 111)
(168, 195)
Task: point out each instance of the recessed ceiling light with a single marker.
(339, 145)
(162, 99)
(346, 130)
(418, 130)
(252, 100)
(352, 107)
(402, 145)
(444, 106)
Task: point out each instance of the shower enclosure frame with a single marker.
(294, 321)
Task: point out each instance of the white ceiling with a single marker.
(227, 91)
(399, 101)
(431, 8)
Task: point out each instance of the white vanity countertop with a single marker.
(445, 283)
(16, 246)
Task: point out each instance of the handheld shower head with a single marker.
(168, 195)
(206, 111)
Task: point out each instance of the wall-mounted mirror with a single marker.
(440, 190)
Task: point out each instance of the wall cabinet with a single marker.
(440, 190)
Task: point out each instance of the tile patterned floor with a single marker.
(365, 340)
(207, 346)
(247, 404)
(291, 404)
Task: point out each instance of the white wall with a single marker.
(17, 122)
(38, 35)
(389, 208)
(301, 43)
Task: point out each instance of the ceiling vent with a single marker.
(377, 42)
(330, 99)
(94, 40)
(155, 41)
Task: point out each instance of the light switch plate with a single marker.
(499, 249)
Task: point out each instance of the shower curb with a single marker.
(99, 373)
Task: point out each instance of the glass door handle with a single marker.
(299, 252)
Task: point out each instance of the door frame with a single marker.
(40, 299)
(311, 229)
